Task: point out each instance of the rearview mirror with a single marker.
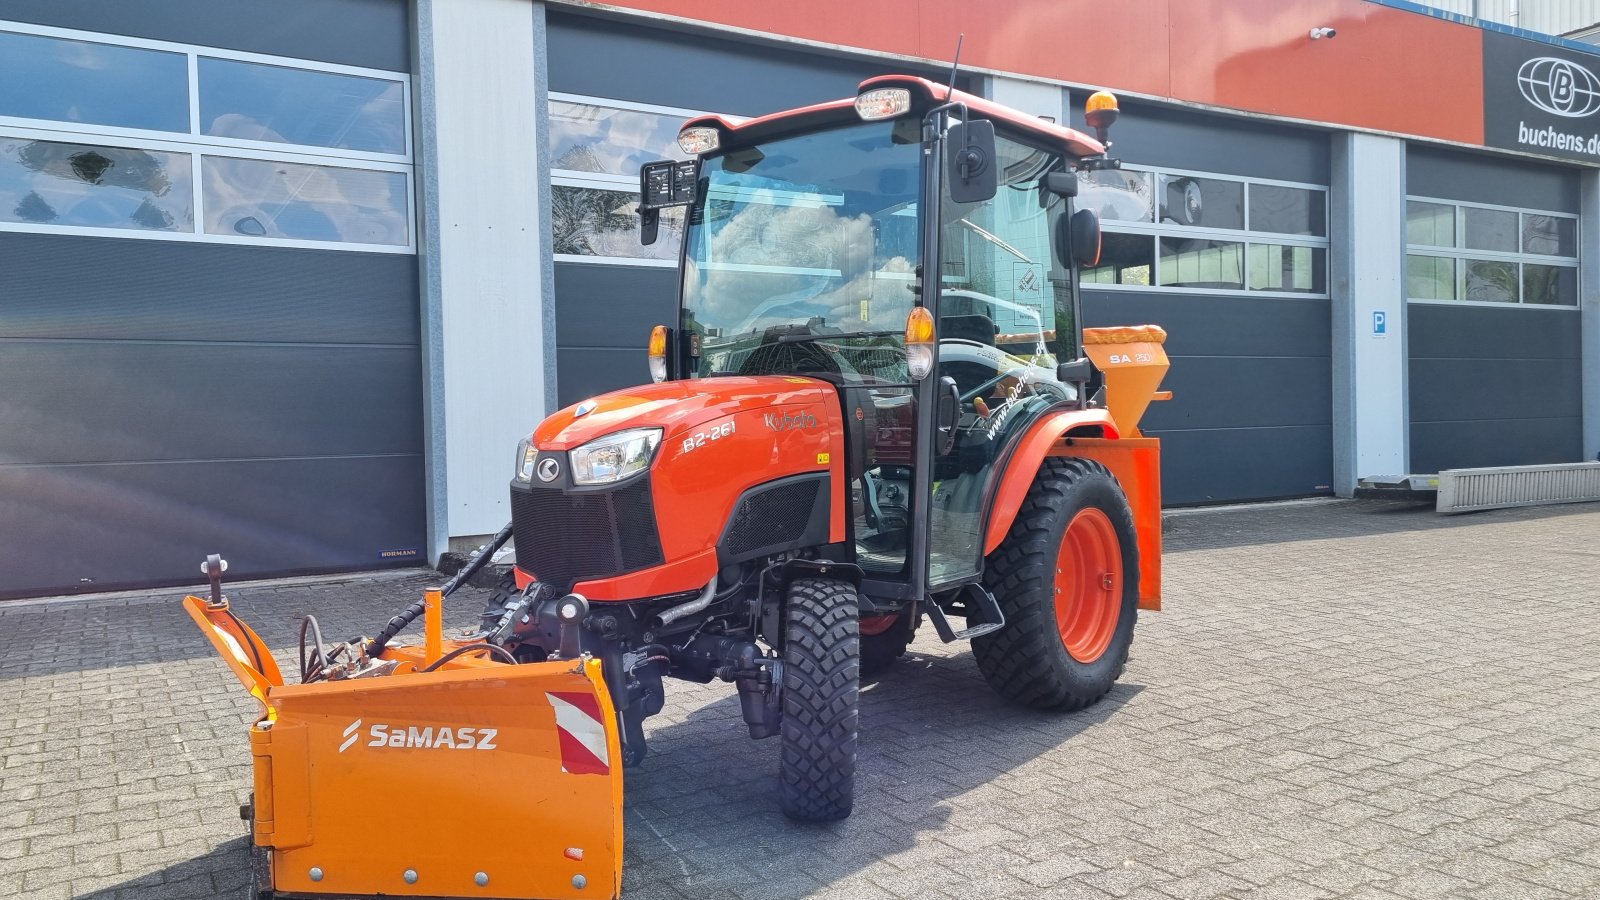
(969, 161)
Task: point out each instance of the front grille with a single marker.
(771, 517)
(566, 536)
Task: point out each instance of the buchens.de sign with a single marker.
(1540, 98)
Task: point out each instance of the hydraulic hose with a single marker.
(410, 613)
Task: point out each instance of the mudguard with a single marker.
(478, 779)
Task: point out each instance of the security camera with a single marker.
(1318, 34)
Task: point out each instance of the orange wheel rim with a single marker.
(1088, 588)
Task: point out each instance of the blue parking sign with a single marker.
(1380, 322)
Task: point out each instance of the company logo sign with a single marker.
(548, 469)
(789, 422)
(1559, 87)
(425, 738)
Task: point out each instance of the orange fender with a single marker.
(1028, 457)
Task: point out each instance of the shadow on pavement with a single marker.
(224, 872)
(1242, 526)
(702, 811)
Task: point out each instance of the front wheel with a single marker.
(821, 675)
(1067, 579)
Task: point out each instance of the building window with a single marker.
(126, 137)
(283, 105)
(1490, 254)
(95, 186)
(596, 147)
(1198, 233)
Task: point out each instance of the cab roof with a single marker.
(924, 95)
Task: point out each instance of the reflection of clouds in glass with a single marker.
(292, 200)
(54, 183)
(588, 138)
(841, 284)
(259, 102)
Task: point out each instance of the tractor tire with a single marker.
(880, 649)
(821, 694)
(505, 593)
(1067, 578)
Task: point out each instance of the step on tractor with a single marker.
(877, 406)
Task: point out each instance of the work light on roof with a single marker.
(698, 140)
(883, 103)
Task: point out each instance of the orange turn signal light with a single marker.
(919, 326)
(658, 353)
(919, 342)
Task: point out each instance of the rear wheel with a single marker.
(821, 664)
(1067, 579)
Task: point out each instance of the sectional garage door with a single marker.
(208, 299)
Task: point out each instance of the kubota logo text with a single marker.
(420, 737)
(787, 422)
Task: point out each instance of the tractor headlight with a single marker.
(615, 456)
(526, 455)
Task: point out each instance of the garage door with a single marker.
(208, 298)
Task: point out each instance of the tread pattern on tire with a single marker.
(820, 700)
(505, 591)
(1020, 660)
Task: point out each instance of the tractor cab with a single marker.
(915, 248)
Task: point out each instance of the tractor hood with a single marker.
(673, 406)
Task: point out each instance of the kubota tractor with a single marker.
(877, 406)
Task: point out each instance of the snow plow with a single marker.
(877, 406)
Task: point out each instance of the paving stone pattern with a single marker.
(1343, 699)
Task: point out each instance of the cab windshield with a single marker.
(801, 255)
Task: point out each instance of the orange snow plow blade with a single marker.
(477, 779)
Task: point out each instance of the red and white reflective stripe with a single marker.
(582, 734)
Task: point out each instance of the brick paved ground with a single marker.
(1356, 700)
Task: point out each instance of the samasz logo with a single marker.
(422, 737)
(1559, 87)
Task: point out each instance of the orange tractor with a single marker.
(877, 406)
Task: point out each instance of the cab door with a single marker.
(1004, 319)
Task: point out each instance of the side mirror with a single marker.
(1062, 184)
(1079, 237)
(970, 168)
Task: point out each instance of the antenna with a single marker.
(955, 65)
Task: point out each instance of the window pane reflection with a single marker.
(1124, 259)
(1201, 202)
(1430, 224)
(1549, 235)
(51, 183)
(1550, 284)
(262, 198)
(1279, 267)
(1117, 195)
(594, 222)
(257, 102)
(1198, 263)
(589, 138)
(1489, 229)
(1287, 210)
(1430, 278)
(93, 84)
(1484, 279)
